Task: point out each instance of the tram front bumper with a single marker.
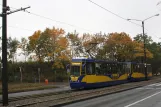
(77, 85)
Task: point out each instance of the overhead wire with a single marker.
(18, 28)
(41, 16)
(75, 25)
(116, 14)
(58, 21)
(113, 13)
(21, 28)
(61, 22)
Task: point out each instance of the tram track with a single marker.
(11, 99)
(65, 97)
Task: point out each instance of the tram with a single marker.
(91, 73)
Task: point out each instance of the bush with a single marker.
(30, 72)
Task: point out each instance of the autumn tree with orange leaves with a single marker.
(50, 45)
(120, 47)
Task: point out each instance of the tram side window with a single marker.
(149, 69)
(125, 69)
(135, 68)
(98, 70)
(109, 69)
(90, 68)
(128, 68)
(106, 69)
(141, 68)
(103, 69)
(75, 70)
(114, 68)
(138, 68)
(83, 69)
(121, 69)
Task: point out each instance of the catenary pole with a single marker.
(4, 14)
(4, 54)
(145, 66)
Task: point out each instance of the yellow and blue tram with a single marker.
(91, 73)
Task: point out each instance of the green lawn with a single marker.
(21, 87)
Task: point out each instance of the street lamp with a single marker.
(142, 21)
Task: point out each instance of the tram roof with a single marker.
(105, 61)
(128, 62)
(93, 60)
(132, 63)
(83, 60)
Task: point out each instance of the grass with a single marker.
(21, 87)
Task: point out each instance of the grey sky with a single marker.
(86, 15)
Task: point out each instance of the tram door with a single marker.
(128, 68)
(114, 69)
(90, 72)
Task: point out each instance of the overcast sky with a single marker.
(88, 17)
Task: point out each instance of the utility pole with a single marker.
(4, 54)
(144, 37)
(4, 14)
(145, 68)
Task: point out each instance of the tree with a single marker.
(75, 43)
(140, 38)
(118, 46)
(50, 45)
(12, 48)
(155, 48)
(139, 52)
(85, 45)
(93, 43)
(35, 45)
(24, 45)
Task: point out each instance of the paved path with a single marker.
(147, 96)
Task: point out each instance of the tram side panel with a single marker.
(138, 71)
(94, 75)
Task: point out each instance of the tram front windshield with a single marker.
(75, 70)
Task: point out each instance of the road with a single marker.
(147, 96)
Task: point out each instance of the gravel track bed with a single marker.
(72, 96)
(12, 99)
